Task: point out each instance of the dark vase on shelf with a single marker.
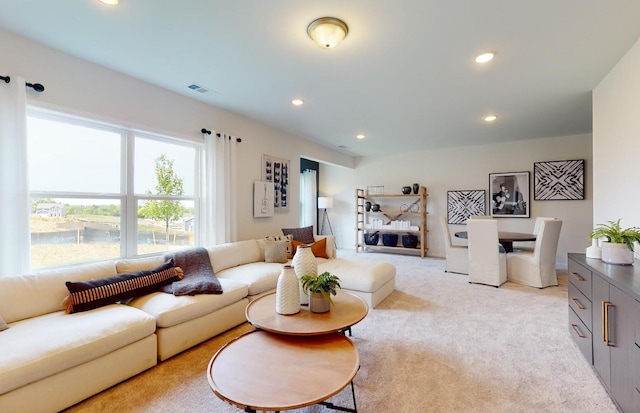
(375, 207)
(416, 188)
(406, 190)
(367, 206)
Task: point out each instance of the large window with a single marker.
(102, 192)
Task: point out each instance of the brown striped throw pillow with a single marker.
(96, 293)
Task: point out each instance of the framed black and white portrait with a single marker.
(558, 180)
(510, 194)
(463, 204)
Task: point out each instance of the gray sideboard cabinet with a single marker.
(604, 322)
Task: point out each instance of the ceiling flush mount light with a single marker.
(327, 32)
(110, 2)
(360, 136)
(490, 118)
(297, 102)
(485, 57)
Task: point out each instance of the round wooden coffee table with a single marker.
(271, 372)
(348, 309)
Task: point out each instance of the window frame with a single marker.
(127, 197)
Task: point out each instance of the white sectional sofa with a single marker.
(52, 360)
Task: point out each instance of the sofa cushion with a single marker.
(137, 264)
(286, 238)
(258, 276)
(359, 275)
(39, 347)
(169, 310)
(318, 248)
(275, 251)
(232, 254)
(36, 294)
(304, 234)
(3, 324)
(87, 295)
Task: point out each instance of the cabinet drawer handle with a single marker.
(575, 327)
(577, 303)
(577, 276)
(606, 336)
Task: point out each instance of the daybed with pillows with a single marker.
(70, 333)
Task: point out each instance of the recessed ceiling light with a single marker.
(360, 136)
(110, 2)
(297, 102)
(485, 57)
(490, 118)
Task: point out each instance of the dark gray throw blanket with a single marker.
(198, 273)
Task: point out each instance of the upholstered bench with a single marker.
(371, 280)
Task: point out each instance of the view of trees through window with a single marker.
(75, 221)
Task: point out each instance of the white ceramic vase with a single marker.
(287, 292)
(304, 263)
(594, 251)
(613, 253)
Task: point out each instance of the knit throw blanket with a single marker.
(198, 273)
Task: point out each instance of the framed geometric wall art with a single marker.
(509, 194)
(558, 180)
(277, 170)
(462, 204)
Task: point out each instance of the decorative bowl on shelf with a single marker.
(371, 238)
(406, 190)
(390, 240)
(410, 241)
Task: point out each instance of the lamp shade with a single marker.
(325, 202)
(327, 32)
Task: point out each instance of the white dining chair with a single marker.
(537, 268)
(530, 245)
(457, 256)
(487, 265)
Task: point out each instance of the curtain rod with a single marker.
(35, 86)
(208, 132)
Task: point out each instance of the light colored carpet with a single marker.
(437, 344)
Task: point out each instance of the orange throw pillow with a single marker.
(318, 248)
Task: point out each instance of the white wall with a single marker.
(616, 143)
(463, 169)
(82, 88)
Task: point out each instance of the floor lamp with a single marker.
(325, 203)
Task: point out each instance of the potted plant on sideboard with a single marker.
(320, 288)
(619, 245)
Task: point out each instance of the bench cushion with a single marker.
(360, 275)
(39, 347)
(170, 310)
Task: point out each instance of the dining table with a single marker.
(506, 238)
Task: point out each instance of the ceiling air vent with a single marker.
(198, 88)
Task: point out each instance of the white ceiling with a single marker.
(405, 75)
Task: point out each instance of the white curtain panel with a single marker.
(218, 223)
(308, 209)
(15, 236)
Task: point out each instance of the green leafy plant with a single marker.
(325, 284)
(615, 234)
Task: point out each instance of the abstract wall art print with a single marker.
(558, 180)
(463, 204)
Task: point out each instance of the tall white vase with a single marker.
(304, 263)
(594, 251)
(287, 292)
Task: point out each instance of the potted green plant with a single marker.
(619, 245)
(320, 288)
